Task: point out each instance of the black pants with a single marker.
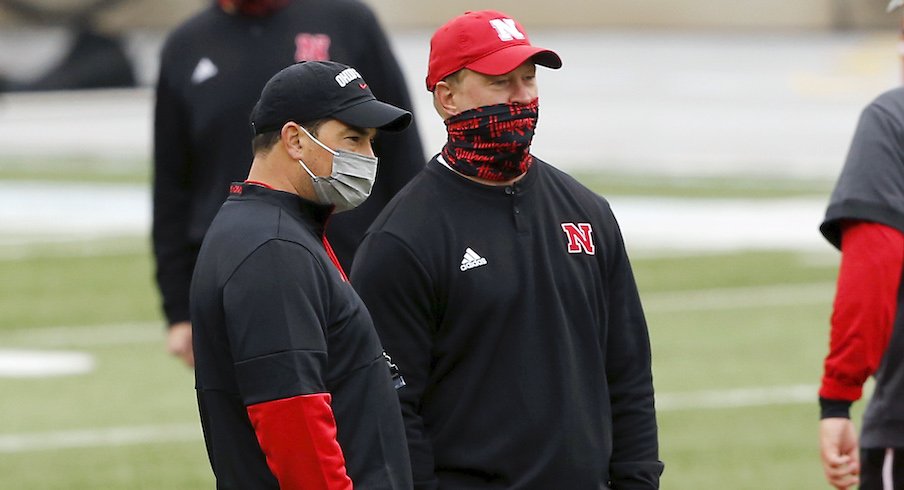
(882, 469)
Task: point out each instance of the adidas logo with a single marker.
(471, 260)
(204, 71)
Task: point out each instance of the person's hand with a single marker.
(840, 452)
(178, 342)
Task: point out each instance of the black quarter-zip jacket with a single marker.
(513, 314)
(274, 319)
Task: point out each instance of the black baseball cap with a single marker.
(312, 90)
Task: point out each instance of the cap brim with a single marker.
(375, 114)
(505, 60)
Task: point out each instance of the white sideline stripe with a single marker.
(704, 299)
(728, 298)
(111, 436)
(15, 248)
(17, 363)
(87, 336)
(153, 434)
(739, 397)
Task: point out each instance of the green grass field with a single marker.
(721, 325)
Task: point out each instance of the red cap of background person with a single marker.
(488, 42)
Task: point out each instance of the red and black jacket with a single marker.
(293, 388)
(865, 220)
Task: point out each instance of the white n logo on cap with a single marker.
(506, 29)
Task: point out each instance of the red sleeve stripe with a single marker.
(298, 437)
(866, 303)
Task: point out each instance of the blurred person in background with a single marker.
(93, 60)
(502, 288)
(865, 220)
(212, 70)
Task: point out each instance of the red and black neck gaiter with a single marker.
(492, 142)
(253, 8)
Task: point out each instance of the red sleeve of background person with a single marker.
(866, 302)
(298, 437)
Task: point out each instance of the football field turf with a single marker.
(738, 340)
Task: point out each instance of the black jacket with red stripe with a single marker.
(284, 346)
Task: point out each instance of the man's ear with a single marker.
(444, 100)
(291, 138)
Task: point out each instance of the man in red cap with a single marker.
(502, 288)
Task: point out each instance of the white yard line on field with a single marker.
(188, 432)
(668, 301)
(85, 336)
(99, 437)
(729, 298)
(16, 363)
(25, 247)
(737, 398)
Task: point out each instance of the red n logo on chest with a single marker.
(580, 238)
(312, 47)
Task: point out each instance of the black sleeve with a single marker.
(829, 408)
(871, 184)
(403, 314)
(635, 456)
(276, 310)
(174, 254)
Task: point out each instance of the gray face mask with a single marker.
(350, 182)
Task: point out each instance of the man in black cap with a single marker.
(293, 387)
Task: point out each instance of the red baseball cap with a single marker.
(488, 42)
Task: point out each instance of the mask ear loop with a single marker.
(327, 148)
(305, 167)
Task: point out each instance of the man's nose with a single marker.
(523, 93)
(369, 150)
